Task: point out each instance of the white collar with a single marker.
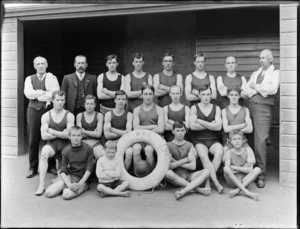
(80, 76)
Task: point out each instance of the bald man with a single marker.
(38, 89)
(230, 80)
(261, 90)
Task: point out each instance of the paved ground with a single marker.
(21, 208)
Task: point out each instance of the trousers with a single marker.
(261, 115)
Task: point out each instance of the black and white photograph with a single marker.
(149, 114)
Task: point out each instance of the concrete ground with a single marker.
(21, 208)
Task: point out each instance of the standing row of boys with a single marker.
(169, 118)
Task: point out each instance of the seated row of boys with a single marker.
(205, 121)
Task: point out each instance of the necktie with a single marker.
(40, 77)
(260, 78)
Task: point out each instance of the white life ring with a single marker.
(163, 160)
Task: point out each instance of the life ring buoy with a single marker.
(163, 160)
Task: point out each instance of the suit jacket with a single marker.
(69, 85)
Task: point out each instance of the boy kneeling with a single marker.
(108, 172)
(77, 166)
(183, 164)
(238, 170)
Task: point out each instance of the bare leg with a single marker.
(55, 189)
(177, 180)
(217, 150)
(248, 179)
(128, 158)
(228, 171)
(196, 179)
(136, 149)
(47, 151)
(111, 192)
(225, 149)
(68, 194)
(149, 155)
(202, 152)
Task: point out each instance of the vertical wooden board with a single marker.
(9, 131)
(288, 115)
(288, 128)
(289, 64)
(288, 51)
(288, 12)
(9, 84)
(288, 38)
(9, 150)
(9, 103)
(288, 89)
(288, 153)
(9, 74)
(288, 77)
(9, 141)
(288, 26)
(9, 55)
(288, 178)
(288, 102)
(288, 140)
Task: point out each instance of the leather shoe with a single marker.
(52, 171)
(260, 183)
(31, 173)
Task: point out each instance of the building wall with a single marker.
(11, 56)
(288, 98)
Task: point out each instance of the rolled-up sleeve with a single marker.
(271, 86)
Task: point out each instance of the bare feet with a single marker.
(102, 194)
(178, 195)
(253, 195)
(234, 192)
(40, 190)
(126, 194)
(203, 191)
(219, 188)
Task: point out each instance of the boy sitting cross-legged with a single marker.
(238, 170)
(108, 172)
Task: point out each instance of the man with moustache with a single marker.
(38, 89)
(77, 85)
(261, 90)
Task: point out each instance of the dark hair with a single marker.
(80, 56)
(59, 93)
(120, 92)
(234, 88)
(235, 132)
(112, 56)
(74, 128)
(204, 87)
(168, 54)
(148, 86)
(199, 55)
(178, 124)
(137, 55)
(89, 96)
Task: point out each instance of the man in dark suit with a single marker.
(77, 85)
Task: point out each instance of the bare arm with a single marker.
(244, 82)
(44, 128)
(188, 90)
(136, 121)
(215, 125)
(194, 125)
(107, 127)
(175, 164)
(128, 126)
(168, 122)
(160, 89)
(221, 87)
(187, 117)
(65, 133)
(100, 93)
(98, 131)
(159, 129)
(249, 127)
(227, 128)
(213, 87)
(191, 165)
(131, 94)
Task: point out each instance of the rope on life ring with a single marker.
(163, 160)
